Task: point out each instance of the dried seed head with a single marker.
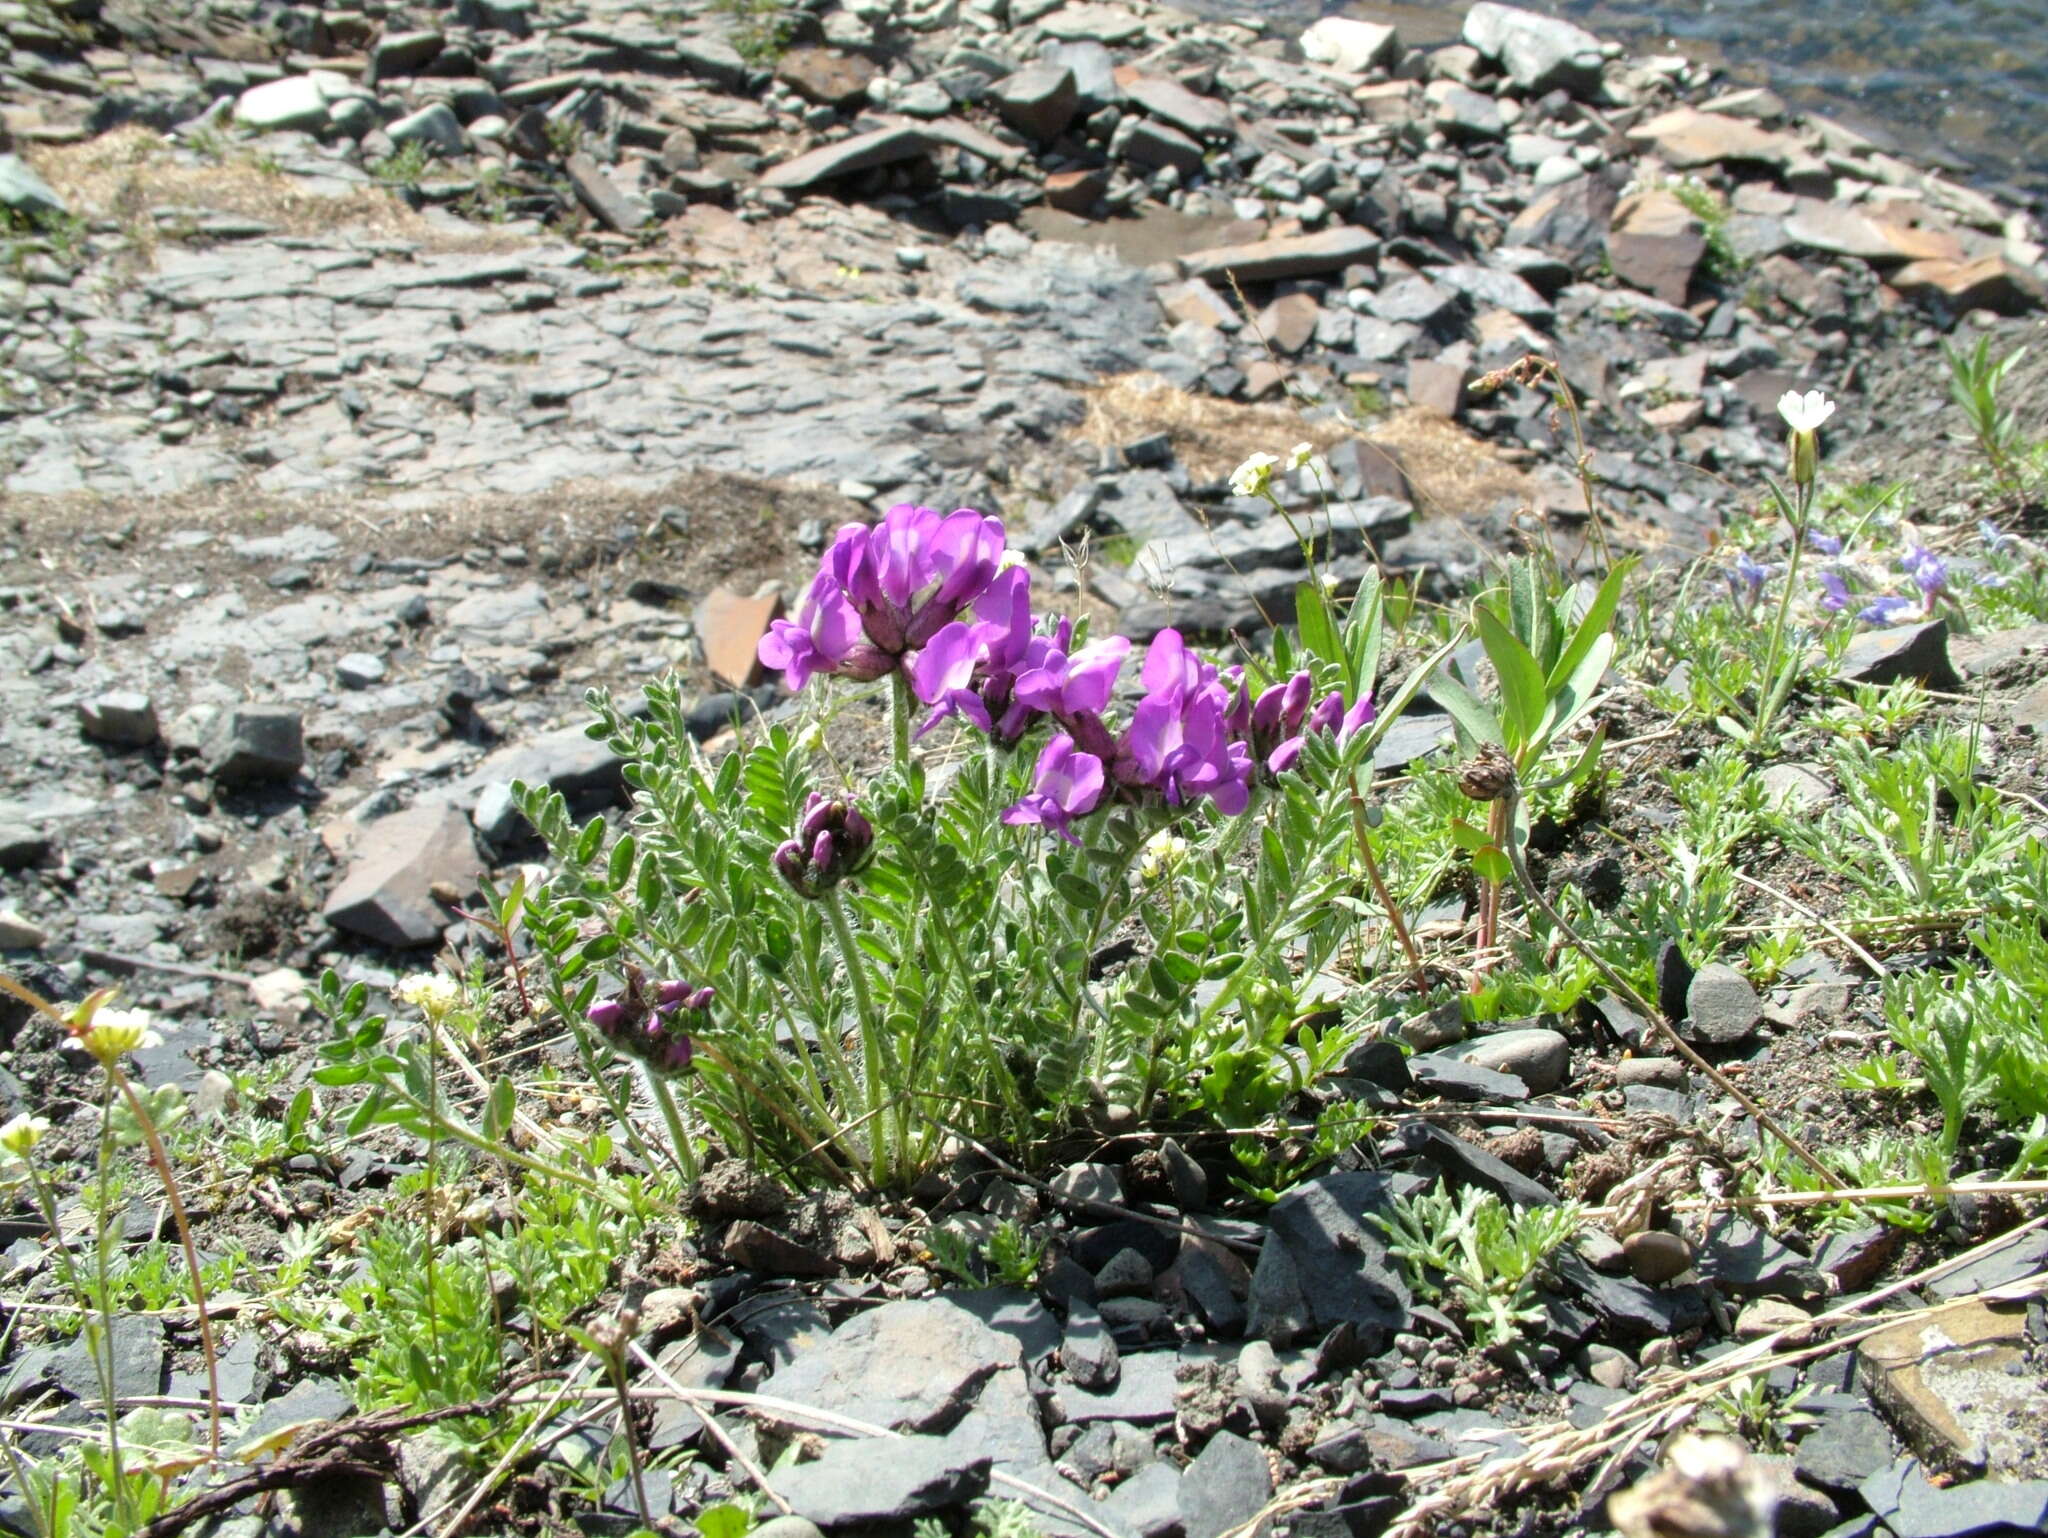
(1489, 775)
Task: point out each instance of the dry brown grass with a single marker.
(1210, 436)
(124, 174)
(1449, 469)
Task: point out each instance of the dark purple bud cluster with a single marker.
(832, 842)
(653, 1024)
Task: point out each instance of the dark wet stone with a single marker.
(1844, 1450)
(1323, 1264)
(1464, 1164)
(1918, 652)
(1631, 1309)
(1088, 1351)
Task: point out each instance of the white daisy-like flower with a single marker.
(430, 993)
(1251, 478)
(21, 1133)
(1300, 455)
(114, 1033)
(1805, 413)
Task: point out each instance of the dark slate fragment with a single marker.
(1096, 1247)
(1323, 1264)
(1014, 1312)
(1225, 1487)
(1748, 1262)
(1379, 1062)
(1912, 1507)
(1629, 1307)
(1918, 652)
(1348, 1519)
(1844, 1450)
(1463, 1164)
(2020, 1256)
(1438, 1073)
(1674, 980)
(1088, 1351)
(1209, 1294)
(860, 1481)
(1147, 1504)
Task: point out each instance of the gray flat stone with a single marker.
(910, 1366)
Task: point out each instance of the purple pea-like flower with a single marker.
(1823, 544)
(973, 670)
(1330, 715)
(1066, 785)
(1834, 594)
(654, 1027)
(1179, 742)
(825, 637)
(1928, 570)
(882, 592)
(833, 841)
(1748, 579)
(1885, 608)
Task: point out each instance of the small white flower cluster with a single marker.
(114, 1033)
(430, 993)
(1254, 477)
(21, 1133)
(1163, 851)
(1251, 478)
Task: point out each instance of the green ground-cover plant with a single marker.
(1477, 1252)
(1913, 829)
(912, 965)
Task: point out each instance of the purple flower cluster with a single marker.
(1190, 737)
(1928, 572)
(929, 596)
(883, 592)
(832, 842)
(652, 1024)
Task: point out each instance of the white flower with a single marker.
(1300, 455)
(1805, 413)
(1251, 478)
(430, 993)
(114, 1033)
(22, 1133)
(1163, 851)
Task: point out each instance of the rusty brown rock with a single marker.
(1656, 244)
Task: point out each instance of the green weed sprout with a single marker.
(1550, 650)
(1974, 381)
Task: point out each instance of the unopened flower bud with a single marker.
(1489, 775)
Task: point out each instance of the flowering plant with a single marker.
(881, 968)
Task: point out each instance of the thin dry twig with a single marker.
(1812, 917)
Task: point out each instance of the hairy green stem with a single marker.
(103, 1348)
(870, 1024)
(678, 1131)
(899, 718)
(1774, 689)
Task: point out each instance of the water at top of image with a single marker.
(1962, 81)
